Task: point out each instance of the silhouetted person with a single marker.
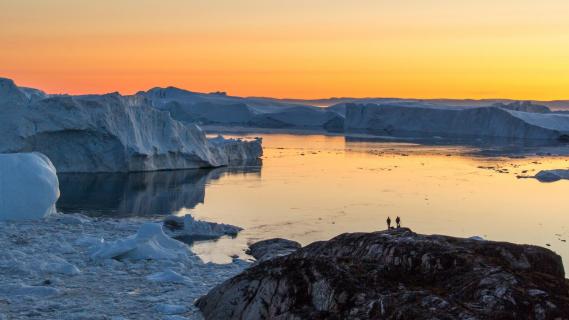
(388, 223)
(398, 221)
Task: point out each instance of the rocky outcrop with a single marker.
(268, 249)
(398, 274)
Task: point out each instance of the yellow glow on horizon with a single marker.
(306, 49)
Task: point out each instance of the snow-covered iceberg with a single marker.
(150, 242)
(29, 187)
(427, 120)
(188, 227)
(108, 133)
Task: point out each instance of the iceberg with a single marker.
(29, 187)
(108, 133)
(221, 109)
(418, 119)
(188, 227)
(149, 243)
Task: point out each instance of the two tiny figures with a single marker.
(397, 221)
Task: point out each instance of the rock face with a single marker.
(397, 274)
(109, 133)
(425, 120)
(272, 248)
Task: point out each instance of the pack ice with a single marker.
(108, 133)
(28, 186)
(516, 120)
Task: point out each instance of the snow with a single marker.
(426, 120)
(552, 175)
(29, 187)
(171, 309)
(150, 242)
(31, 287)
(108, 133)
(187, 226)
(168, 276)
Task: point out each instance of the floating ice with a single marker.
(168, 276)
(28, 186)
(149, 242)
(171, 309)
(187, 226)
(426, 120)
(108, 133)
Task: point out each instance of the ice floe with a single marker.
(191, 228)
(150, 242)
(29, 187)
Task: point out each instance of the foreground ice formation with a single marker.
(150, 242)
(190, 228)
(28, 186)
(416, 119)
(397, 274)
(552, 175)
(46, 272)
(109, 133)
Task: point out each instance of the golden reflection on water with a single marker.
(315, 187)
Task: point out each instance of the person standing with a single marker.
(398, 222)
(388, 223)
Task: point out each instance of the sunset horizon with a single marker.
(443, 49)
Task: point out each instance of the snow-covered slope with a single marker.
(28, 186)
(109, 133)
(427, 120)
(220, 109)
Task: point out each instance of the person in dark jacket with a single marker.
(398, 222)
(388, 223)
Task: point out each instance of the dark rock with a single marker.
(272, 248)
(397, 274)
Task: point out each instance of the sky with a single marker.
(303, 49)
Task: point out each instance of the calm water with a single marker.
(313, 187)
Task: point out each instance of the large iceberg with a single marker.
(108, 133)
(28, 186)
(428, 120)
(220, 109)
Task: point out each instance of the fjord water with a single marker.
(313, 187)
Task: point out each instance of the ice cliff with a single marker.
(428, 120)
(108, 133)
(28, 186)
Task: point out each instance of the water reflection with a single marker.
(140, 193)
(486, 147)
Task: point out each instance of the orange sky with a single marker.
(306, 49)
